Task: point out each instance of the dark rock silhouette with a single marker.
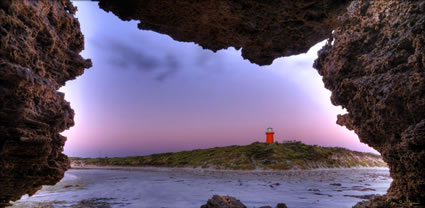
(375, 68)
(281, 205)
(39, 50)
(223, 202)
(265, 30)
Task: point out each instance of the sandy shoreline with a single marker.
(152, 168)
(147, 187)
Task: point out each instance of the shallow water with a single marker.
(186, 188)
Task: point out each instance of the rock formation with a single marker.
(374, 65)
(223, 202)
(375, 68)
(39, 50)
(265, 30)
(281, 205)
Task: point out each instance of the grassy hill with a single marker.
(282, 156)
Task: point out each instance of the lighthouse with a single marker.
(269, 135)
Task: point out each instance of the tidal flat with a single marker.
(187, 188)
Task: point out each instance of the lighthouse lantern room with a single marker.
(269, 135)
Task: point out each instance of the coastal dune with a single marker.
(256, 156)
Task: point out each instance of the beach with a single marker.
(185, 188)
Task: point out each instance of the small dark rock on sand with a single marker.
(281, 205)
(223, 202)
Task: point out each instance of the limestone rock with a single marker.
(281, 205)
(384, 202)
(265, 30)
(223, 202)
(375, 68)
(39, 46)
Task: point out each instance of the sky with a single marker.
(147, 93)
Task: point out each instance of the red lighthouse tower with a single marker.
(269, 135)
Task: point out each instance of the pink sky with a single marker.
(147, 93)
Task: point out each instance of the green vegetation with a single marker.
(276, 156)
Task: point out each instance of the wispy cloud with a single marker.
(122, 55)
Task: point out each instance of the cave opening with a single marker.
(374, 70)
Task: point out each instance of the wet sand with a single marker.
(186, 188)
